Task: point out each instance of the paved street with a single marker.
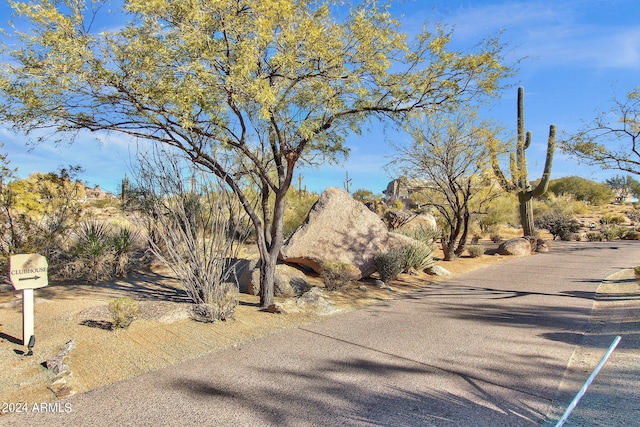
(489, 348)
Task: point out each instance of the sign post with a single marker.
(28, 272)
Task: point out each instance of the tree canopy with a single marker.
(243, 88)
(449, 156)
(582, 189)
(611, 140)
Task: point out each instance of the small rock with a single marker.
(363, 288)
(57, 364)
(61, 389)
(437, 270)
(69, 346)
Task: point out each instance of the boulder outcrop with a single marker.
(339, 228)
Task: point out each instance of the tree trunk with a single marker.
(269, 250)
(267, 280)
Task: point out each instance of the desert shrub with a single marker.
(612, 232)
(417, 257)
(558, 224)
(634, 215)
(390, 264)
(93, 252)
(123, 242)
(336, 275)
(632, 235)
(222, 307)
(39, 214)
(123, 311)
(501, 210)
(594, 237)
(636, 271)
(408, 258)
(494, 234)
(421, 233)
(612, 219)
(475, 251)
(366, 196)
(196, 229)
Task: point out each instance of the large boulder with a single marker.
(339, 228)
(407, 220)
(425, 220)
(523, 246)
(517, 246)
(289, 281)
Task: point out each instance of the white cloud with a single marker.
(585, 33)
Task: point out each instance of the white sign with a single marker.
(28, 271)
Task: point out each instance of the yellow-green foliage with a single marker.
(501, 210)
(337, 274)
(636, 270)
(123, 311)
(582, 189)
(297, 208)
(29, 193)
(612, 219)
(475, 251)
(565, 204)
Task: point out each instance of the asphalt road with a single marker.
(489, 348)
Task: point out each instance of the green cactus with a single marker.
(519, 182)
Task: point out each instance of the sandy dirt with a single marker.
(163, 334)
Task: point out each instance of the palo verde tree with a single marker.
(612, 139)
(247, 89)
(449, 156)
(519, 182)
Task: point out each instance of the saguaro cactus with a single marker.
(519, 182)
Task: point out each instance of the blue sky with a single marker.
(579, 55)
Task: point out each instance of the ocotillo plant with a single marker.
(519, 182)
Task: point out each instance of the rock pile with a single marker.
(59, 365)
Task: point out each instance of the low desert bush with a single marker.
(594, 237)
(92, 249)
(336, 275)
(609, 219)
(418, 257)
(632, 235)
(123, 311)
(612, 232)
(475, 251)
(99, 252)
(390, 264)
(636, 271)
(496, 237)
(558, 224)
(123, 243)
(222, 306)
(634, 215)
(421, 233)
(407, 258)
